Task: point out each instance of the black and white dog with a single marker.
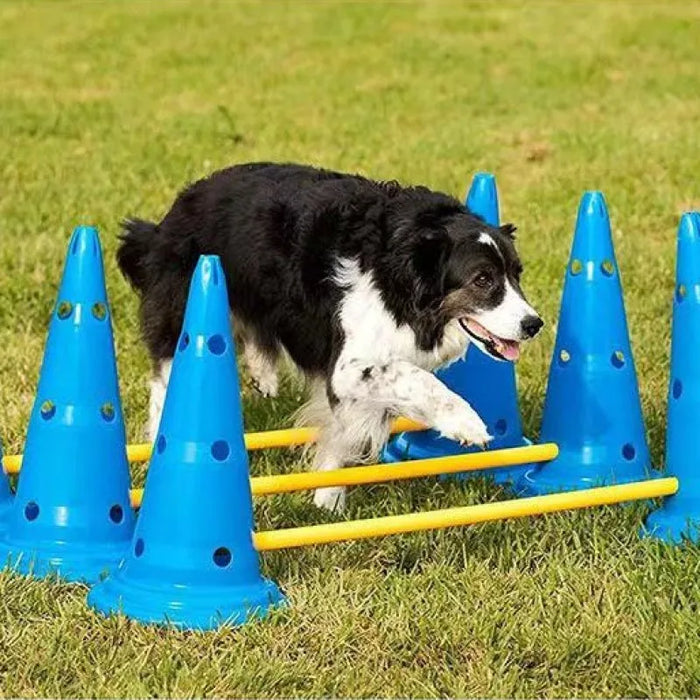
(367, 286)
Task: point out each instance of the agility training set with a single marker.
(191, 558)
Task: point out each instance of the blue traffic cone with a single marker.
(679, 516)
(5, 497)
(71, 514)
(592, 408)
(488, 384)
(192, 563)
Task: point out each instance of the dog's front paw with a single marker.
(464, 426)
(331, 498)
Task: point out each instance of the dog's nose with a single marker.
(531, 325)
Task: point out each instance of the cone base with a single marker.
(75, 563)
(427, 444)
(673, 525)
(185, 607)
(568, 475)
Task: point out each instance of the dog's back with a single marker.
(265, 221)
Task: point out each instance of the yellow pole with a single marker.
(378, 473)
(253, 441)
(468, 515)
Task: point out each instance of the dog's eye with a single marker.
(483, 280)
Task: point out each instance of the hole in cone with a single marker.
(116, 513)
(31, 511)
(48, 410)
(184, 341)
(138, 547)
(220, 450)
(576, 267)
(628, 451)
(564, 357)
(161, 444)
(217, 344)
(501, 426)
(618, 359)
(99, 311)
(608, 267)
(677, 388)
(64, 310)
(681, 292)
(107, 411)
(222, 557)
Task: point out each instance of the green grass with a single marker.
(107, 109)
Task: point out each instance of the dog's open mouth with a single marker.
(498, 347)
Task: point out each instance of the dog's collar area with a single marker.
(500, 348)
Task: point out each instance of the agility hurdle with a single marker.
(263, 440)
(468, 515)
(192, 557)
(381, 473)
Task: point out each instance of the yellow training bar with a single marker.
(469, 515)
(253, 441)
(377, 473)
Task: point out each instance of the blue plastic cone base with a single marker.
(201, 607)
(539, 480)
(72, 515)
(592, 409)
(192, 561)
(678, 519)
(487, 384)
(85, 563)
(673, 525)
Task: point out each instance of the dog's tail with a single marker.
(137, 242)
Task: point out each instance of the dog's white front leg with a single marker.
(406, 389)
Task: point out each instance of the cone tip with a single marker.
(593, 205)
(207, 308)
(483, 177)
(209, 271)
(689, 227)
(482, 198)
(84, 239)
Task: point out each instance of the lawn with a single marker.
(107, 109)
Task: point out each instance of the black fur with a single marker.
(280, 230)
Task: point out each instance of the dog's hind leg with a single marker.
(261, 360)
(262, 367)
(159, 385)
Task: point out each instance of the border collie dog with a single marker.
(367, 286)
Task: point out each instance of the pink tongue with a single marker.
(509, 349)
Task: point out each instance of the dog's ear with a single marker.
(508, 229)
(430, 253)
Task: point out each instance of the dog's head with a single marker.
(470, 272)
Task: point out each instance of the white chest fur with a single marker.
(372, 333)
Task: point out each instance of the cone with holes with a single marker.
(192, 563)
(488, 384)
(679, 517)
(592, 408)
(71, 514)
